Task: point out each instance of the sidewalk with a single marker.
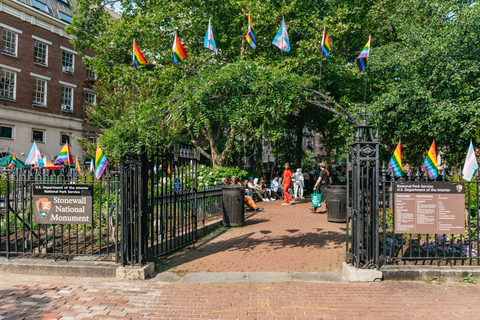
(30, 297)
(281, 238)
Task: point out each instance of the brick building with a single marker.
(43, 80)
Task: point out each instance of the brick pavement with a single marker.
(281, 238)
(29, 297)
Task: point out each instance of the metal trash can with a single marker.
(337, 203)
(233, 205)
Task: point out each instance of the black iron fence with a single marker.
(20, 236)
(453, 249)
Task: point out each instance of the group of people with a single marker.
(257, 190)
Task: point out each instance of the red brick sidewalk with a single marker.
(26, 297)
(281, 238)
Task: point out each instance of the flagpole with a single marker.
(281, 60)
(366, 79)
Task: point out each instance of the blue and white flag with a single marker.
(209, 42)
(281, 39)
(471, 164)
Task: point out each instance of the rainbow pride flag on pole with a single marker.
(77, 165)
(101, 162)
(249, 36)
(430, 163)
(325, 43)
(471, 164)
(362, 59)
(34, 157)
(13, 164)
(281, 39)
(209, 42)
(137, 56)
(395, 164)
(65, 157)
(178, 51)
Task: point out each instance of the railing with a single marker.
(21, 236)
(429, 249)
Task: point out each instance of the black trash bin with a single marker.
(337, 203)
(233, 205)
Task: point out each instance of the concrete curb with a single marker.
(415, 273)
(353, 274)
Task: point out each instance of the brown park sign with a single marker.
(429, 207)
(63, 203)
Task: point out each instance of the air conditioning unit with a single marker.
(66, 108)
(68, 69)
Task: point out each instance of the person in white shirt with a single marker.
(275, 186)
(298, 184)
(261, 194)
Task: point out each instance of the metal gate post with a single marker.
(7, 211)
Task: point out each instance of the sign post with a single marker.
(429, 208)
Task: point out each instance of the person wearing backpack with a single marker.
(322, 184)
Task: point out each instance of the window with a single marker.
(40, 5)
(38, 135)
(39, 92)
(90, 98)
(6, 132)
(40, 53)
(67, 62)
(93, 140)
(9, 42)
(67, 98)
(64, 138)
(65, 17)
(90, 74)
(7, 84)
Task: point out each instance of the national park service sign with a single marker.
(63, 204)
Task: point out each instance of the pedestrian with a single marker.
(322, 184)
(306, 180)
(298, 184)
(286, 183)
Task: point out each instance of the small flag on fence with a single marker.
(395, 163)
(178, 51)
(281, 39)
(65, 157)
(101, 162)
(249, 36)
(92, 167)
(77, 165)
(155, 169)
(137, 56)
(430, 163)
(160, 167)
(471, 164)
(362, 59)
(34, 157)
(325, 43)
(13, 164)
(209, 42)
(168, 170)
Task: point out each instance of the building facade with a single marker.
(43, 81)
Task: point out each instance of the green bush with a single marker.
(208, 177)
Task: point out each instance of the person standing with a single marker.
(286, 184)
(322, 184)
(306, 179)
(298, 184)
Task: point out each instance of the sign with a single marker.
(429, 207)
(63, 203)
(177, 184)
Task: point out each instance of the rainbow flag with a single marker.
(325, 43)
(395, 164)
(430, 163)
(77, 165)
(101, 162)
(34, 157)
(209, 42)
(160, 167)
(168, 170)
(13, 164)
(137, 56)
(249, 36)
(65, 157)
(281, 39)
(178, 51)
(362, 59)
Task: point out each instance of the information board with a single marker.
(177, 184)
(429, 207)
(62, 203)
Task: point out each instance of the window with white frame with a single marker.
(90, 97)
(9, 42)
(40, 92)
(67, 62)
(90, 73)
(6, 132)
(40, 53)
(67, 98)
(7, 84)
